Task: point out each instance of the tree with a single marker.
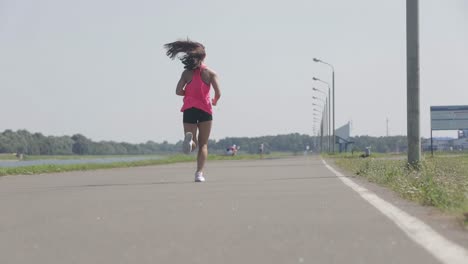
(61, 145)
(81, 145)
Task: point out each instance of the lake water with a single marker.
(15, 163)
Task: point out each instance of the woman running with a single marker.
(194, 85)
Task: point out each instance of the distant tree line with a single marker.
(22, 141)
(28, 143)
(288, 143)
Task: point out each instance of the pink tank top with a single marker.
(197, 93)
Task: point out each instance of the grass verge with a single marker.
(440, 181)
(8, 157)
(83, 157)
(71, 157)
(40, 169)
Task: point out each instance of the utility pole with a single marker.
(333, 86)
(387, 126)
(412, 81)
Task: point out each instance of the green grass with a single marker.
(68, 157)
(8, 157)
(440, 181)
(40, 169)
(82, 157)
(357, 154)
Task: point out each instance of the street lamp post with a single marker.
(325, 117)
(324, 93)
(320, 99)
(319, 105)
(329, 108)
(316, 132)
(320, 131)
(321, 120)
(333, 86)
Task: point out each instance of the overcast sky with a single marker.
(97, 67)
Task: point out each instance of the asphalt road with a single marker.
(269, 211)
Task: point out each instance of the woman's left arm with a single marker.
(181, 84)
(215, 84)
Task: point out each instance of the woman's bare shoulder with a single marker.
(211, 72)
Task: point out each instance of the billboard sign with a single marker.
(454, 117)
(343, 132)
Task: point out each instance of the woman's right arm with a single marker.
(181, 84)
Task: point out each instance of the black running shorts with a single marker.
(194, 116)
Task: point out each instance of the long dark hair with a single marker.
(194, 52)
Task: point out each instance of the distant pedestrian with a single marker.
(232, 150)
(194, 85)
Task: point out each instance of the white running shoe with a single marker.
(199, 177)
(188, 143)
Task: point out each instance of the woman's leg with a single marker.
(188, 127)
(204, 129)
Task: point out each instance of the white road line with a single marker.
(444, 250)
